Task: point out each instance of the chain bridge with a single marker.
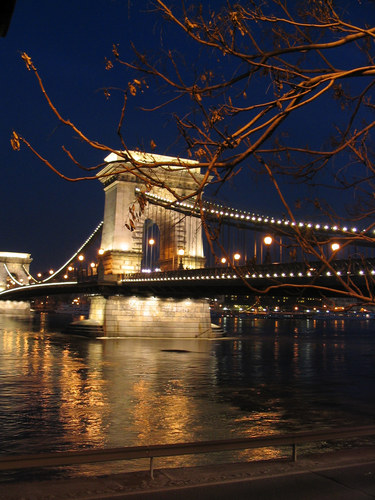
(155, 268)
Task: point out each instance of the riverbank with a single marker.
(347, 473)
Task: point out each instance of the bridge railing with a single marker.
(314, 268)
(178, 449)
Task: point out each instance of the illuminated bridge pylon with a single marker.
(14, 269)
(180, 241)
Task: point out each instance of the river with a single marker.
(60, 392)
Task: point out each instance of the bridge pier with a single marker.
(151, 317)
(15, 308)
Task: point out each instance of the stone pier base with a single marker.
(151, 317)
(15, 308)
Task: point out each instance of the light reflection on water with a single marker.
(62, 392)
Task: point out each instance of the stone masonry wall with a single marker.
(153, 317)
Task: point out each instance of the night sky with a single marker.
(68, 42)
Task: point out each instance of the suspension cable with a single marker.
(11, 276)
(76, 253)
(86, 242)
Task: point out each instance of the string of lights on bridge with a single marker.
(212, 208)
(203, 274)
(75, 255)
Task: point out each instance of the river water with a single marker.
(60, 392)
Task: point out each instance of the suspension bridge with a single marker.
(154, 266)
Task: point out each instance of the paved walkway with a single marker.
(345, 474)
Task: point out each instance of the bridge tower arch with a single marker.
(181, 241)
(151, 246)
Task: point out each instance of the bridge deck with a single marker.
(274, 279)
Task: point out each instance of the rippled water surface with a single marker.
(60, 392)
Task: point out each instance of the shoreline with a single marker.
(181, 478)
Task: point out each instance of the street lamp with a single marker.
(335, 247)
(181, 253)
(92, 266)
(223, 260)
(151, 242)
(81, 258)
(236, 257)
(267, 240)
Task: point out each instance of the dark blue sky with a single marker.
(68, 42)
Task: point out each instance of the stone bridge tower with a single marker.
(180, 235)
(14, 269)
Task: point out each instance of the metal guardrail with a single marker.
(168, 450)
